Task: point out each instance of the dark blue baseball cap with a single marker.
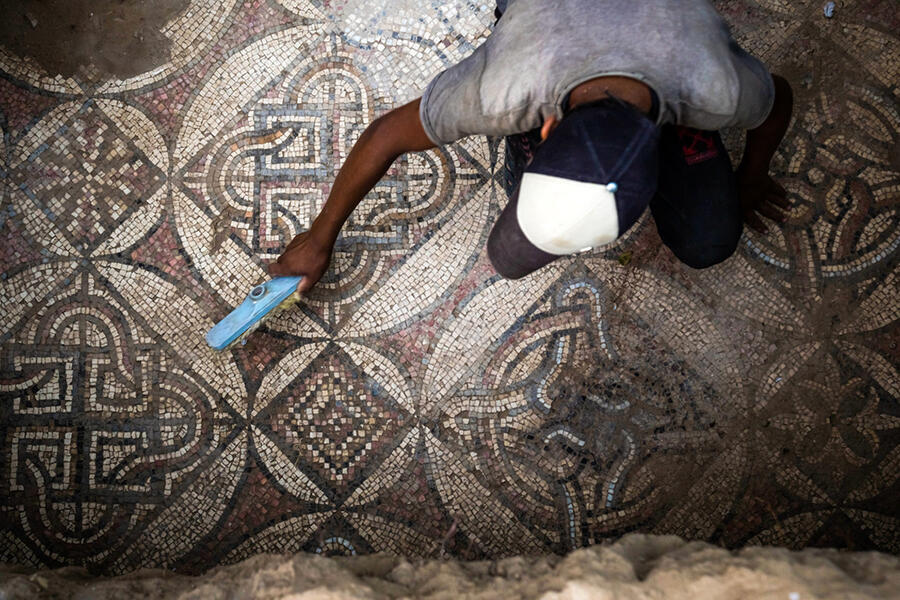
(587, 184)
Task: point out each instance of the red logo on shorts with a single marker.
(697, 145)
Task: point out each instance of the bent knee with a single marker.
(703, 257)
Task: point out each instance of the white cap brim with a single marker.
(563, 216)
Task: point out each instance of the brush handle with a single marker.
(259, 302)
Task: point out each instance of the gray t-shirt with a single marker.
(541, 49)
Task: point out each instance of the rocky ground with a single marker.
(635, 567)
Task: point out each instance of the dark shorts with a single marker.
(696, 206)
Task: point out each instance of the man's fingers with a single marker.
(278, 270)
(779, 200)
(777, 188)
(755, 222)
(283, 269)
(769, 211)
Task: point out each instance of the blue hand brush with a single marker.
(262, 302)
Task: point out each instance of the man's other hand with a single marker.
(306, 256)
(764, 196)
(759, 193)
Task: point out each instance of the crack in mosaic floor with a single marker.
(416, 403)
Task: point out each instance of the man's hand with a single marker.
(759, 193)
(306, 256)
(762, 195)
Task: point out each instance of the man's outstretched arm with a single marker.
(759, 193)
(386, 138)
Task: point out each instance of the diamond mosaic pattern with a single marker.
(414, 402)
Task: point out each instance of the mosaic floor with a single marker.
(415, 403)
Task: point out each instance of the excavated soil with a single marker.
(635, 567)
